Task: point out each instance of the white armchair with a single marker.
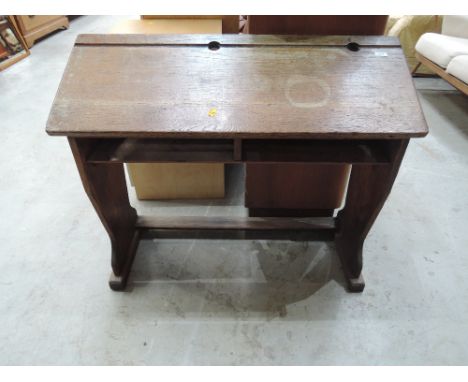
(447, 53)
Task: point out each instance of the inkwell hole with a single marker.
(214, 45)
(353, 46)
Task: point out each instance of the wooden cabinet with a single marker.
(317, 25)
(34, 27)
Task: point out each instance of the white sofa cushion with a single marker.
(441, 49)
(458, 67)
(455, 25)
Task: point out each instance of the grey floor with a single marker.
(224, 302)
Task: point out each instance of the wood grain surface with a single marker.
(257, 87)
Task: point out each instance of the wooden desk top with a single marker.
(253, 86)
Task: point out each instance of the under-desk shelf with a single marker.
(130, 150)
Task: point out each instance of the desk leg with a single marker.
(368, 188)
(106, 188)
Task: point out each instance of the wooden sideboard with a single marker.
(33, 28)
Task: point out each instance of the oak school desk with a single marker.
(237, 99)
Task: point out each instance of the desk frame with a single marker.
(375, 164)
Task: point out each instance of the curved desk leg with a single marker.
(368, 188)
(107, 190)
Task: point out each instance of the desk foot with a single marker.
(350, 254)
(118, 283)
(355, 285)
(368, 188)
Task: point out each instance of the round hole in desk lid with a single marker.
(353, 46)
(214, 45)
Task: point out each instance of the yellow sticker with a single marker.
(212, 112)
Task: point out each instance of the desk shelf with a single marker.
(241, 150)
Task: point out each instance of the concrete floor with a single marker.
(224, 302)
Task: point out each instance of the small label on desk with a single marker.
(381, 54)
(212, 112)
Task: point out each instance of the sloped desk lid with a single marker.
(239, 86)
